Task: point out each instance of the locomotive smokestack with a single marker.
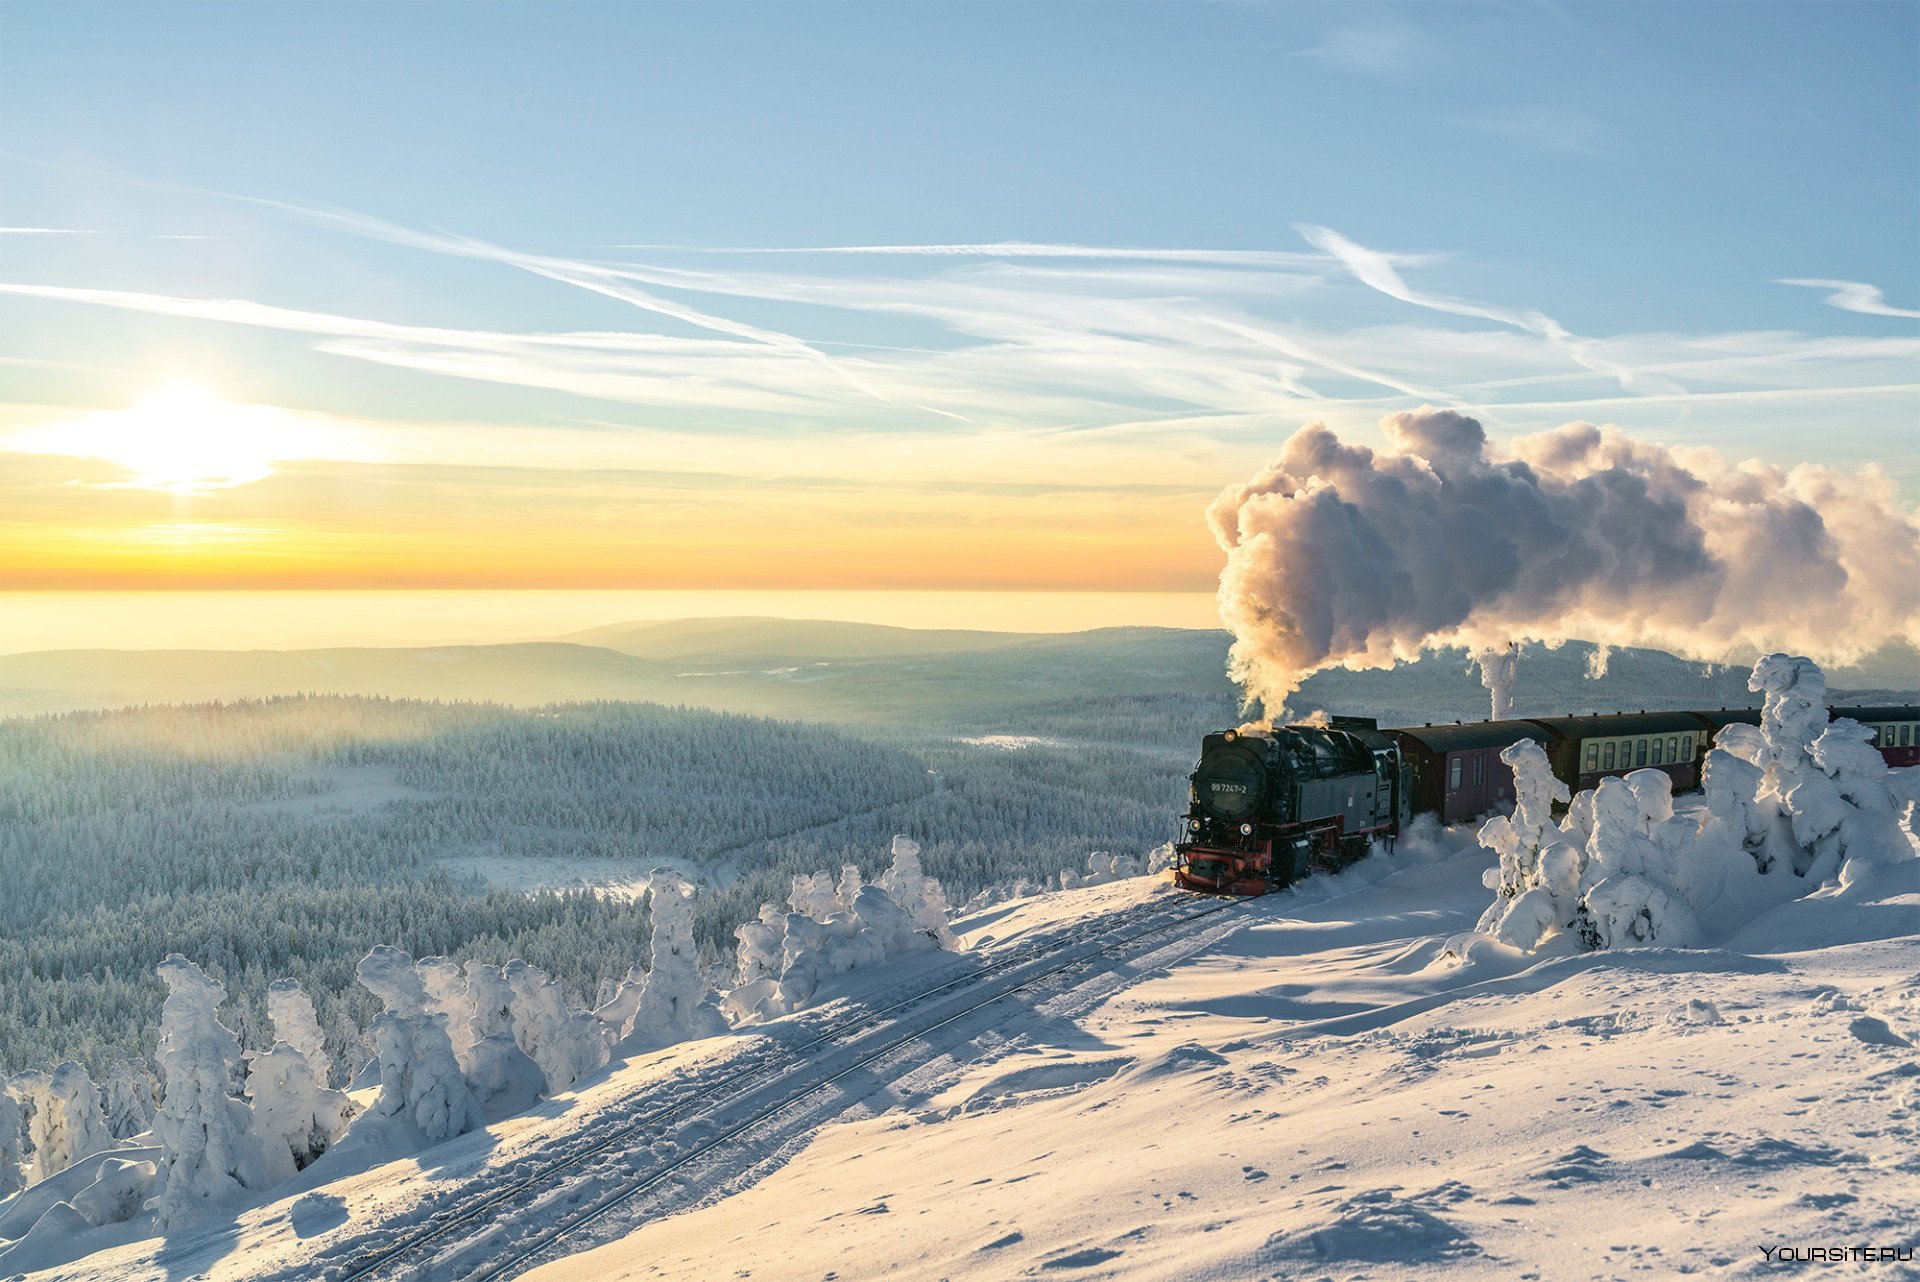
(1498, 668)
(1341, 555)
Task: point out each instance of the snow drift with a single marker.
(1341, 555)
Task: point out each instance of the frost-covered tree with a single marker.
(814, 895)
(566, 1044)
(13, 1144)
(918, 895)
(201, 1129)
(812, 949)
(1539, 878)
(758, 954)
(129, 1091)
(421, 1083)
(296, 1117)
(295, 1023)
(67, 1124)
(504, 1078)
(675, 1001)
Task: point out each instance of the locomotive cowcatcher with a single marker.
(1270, 805)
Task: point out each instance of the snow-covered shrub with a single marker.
(783, 961)
(1102, 867)
(672, 1001)
(129, 1091)
(202, 1130)
(1786, 805)
(566, 1044)
(67, 1123)
(421, 1083)
(13, 1144)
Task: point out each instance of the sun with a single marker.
(184, 439)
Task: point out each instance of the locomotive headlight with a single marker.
(1246, 830)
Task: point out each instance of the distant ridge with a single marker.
(925, 681)
(766, 639)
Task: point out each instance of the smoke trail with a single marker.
(1338, 555)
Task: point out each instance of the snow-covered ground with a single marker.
(1303, 1085)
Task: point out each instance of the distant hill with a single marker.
(768, 641)
(1160, 686)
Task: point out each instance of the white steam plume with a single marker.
(1343, 556)
(1499, 666)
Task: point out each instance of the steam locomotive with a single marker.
(1267, 807)
(1270, 806)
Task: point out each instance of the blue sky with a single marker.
(1580, 211)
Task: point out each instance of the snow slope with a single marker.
(1318, 1094)
(1298, 1086)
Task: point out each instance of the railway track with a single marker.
(466, 1241)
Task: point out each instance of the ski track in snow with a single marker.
(1300, 1087)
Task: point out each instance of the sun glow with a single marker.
(185, 440)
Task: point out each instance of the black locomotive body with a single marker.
(1268, 806)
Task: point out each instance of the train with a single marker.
(1267, 807)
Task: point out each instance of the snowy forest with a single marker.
(283, 838)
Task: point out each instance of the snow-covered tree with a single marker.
(918, 895)
(1538, 881)
(758, 954)
(566, 1044)
(296, 1024)
(676, 1002)
(815, 895)
(13, 1144)
(67, 1124)
(421, 1082)
(129, 1091)
(201, 1129)
(296, 1117)
(504, 1078)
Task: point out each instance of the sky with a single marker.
(927, 297)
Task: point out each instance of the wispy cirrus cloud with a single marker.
(1043, 342)
(1855, 296)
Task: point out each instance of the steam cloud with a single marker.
(1341, 556)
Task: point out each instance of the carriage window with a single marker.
(1593, 757)
(1673, 748)
(1904, 730)
(1642, 754)
(1609, 757)
(1453, 779)
(1479, 768)
(1686, 746)
(1658, 755)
